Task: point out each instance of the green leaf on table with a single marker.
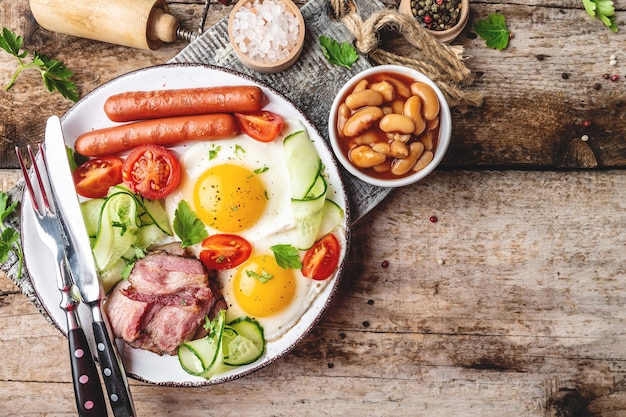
(56, 77)
(12, 43)
(604, 10)
(494, 31)
(9, 237)
(337, 53)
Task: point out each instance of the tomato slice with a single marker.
(263, 126)
(151, 171)
(94, 177)
(322, 259)
(224, 251)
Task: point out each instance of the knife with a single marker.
(83, 268)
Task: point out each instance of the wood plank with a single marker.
(510, 305)
(531, 117)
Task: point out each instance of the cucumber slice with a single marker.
(192, 355)
(124, 220)
(308, 216)
(150, 211)
(202, 357)
(228, 336)
(251, 330)
(242, 351)
(317, 189)
(90, 210)
(116, 229)
(155, 214)
(303, 163)
(331, 218)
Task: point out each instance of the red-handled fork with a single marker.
(87, 389)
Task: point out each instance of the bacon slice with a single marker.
(163, 303)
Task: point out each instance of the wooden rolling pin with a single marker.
(144, 24)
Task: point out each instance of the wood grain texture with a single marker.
(511, 304)
(508, 305)
(532, 116)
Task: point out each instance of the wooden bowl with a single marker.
(447, 35)
(271, 67)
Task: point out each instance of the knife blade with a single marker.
(83, 268)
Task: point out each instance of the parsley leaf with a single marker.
(263, 277)
(493, 30)
(129, 263)
(287, 256)
(213, 152)
(9, 237)
(56, 77)
(187, 226)
(342, 54)
(603, 10)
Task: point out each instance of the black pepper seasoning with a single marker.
(437, 15)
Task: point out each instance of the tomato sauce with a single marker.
(403, 87)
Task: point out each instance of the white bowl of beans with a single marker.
(390, 126)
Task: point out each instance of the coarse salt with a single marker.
(265, 30)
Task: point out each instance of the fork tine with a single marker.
(29, 185)
(44, 195)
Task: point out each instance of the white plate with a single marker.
(88, 114)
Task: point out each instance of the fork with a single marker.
(87, 389)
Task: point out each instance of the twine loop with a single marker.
(444, 64)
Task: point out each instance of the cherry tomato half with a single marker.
(94, 177)
(151, 171)
(322, 259)
(263, 126)
(224, 251)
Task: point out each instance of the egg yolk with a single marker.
(229, 198)
(262, 288)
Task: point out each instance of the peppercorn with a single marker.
(436, 14)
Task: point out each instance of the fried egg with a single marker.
(241, 186)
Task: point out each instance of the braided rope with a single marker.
(440, 62)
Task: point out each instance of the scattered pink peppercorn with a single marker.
(587, 123)
(433, 219)
(614, 77)
(385, 264)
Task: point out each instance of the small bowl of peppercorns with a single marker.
(444, 19)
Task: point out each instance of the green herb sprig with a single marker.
(187, 226)
(337, 53)
(287, 256)
(9, 237)
(494, 31)
(604, 10)
(56, 77)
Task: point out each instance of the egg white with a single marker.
(275, 226)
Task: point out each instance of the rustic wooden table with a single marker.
(510, 304)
